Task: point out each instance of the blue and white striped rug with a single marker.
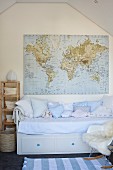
(64, 164)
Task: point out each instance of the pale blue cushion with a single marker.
(94, 104)
(56, 111)
(39, 107)
(52, 104)
(84, 103)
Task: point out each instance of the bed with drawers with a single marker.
(55, 135)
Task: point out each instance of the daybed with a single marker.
(45, 127)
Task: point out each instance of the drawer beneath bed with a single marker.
(51, 144)
(71, 144)
(37, 144)
(64, 144)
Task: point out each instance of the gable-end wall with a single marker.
(42, 18)
(0, 39)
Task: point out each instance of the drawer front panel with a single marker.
(71, 144)
(37, 145)
(64, 144)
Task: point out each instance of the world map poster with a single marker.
(66, 64)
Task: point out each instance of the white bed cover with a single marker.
(58, 126)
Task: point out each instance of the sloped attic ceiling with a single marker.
(98, 11)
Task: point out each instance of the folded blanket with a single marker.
(21, 115)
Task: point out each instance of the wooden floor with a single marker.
(12, 161)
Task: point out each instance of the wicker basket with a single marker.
(7, 141)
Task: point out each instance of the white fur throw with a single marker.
(99, 137)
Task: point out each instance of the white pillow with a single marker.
(102, 111)
(26, 106)
(82, 108)
(107, 101)
(39, 107)
(66, 113)
(56, 111)
(80, 114)
(26, 98)
(68, 106)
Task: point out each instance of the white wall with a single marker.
(0, 43)
(42, 18)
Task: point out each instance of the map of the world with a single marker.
(66, 64)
